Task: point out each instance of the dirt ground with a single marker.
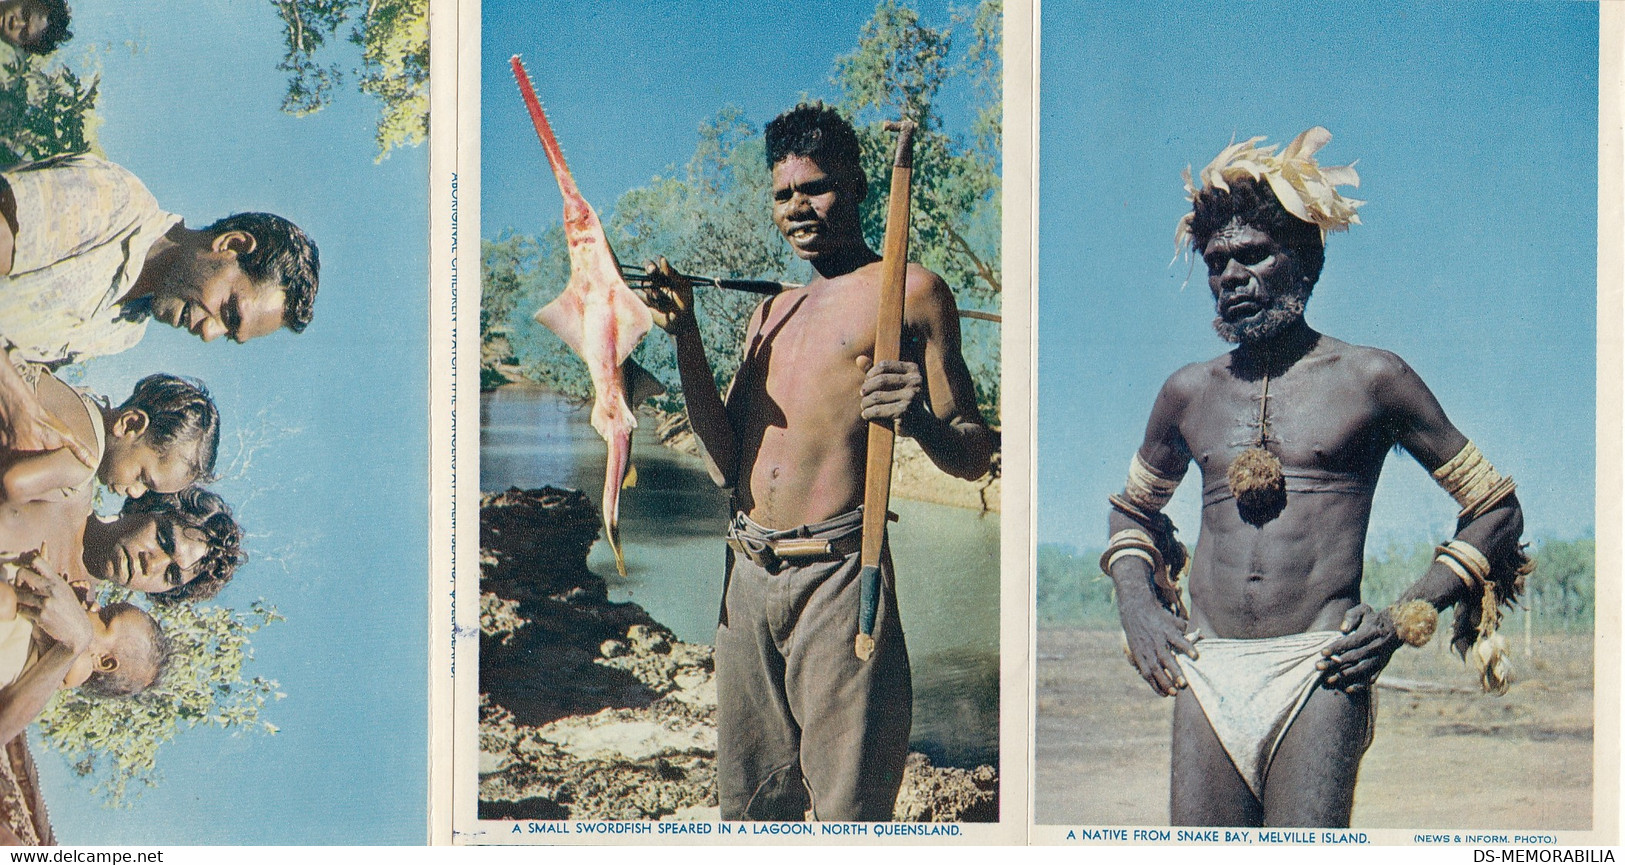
(1446, 759)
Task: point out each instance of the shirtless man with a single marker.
(804, 726)
(1290, 431)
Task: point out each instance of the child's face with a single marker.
(22, 22)
(121, 641)
(132, 650)
(148, 553)
(132, 467)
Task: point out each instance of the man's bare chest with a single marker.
(1309, 419)
(813, 345)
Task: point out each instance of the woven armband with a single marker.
(1488, 650)
(1131, 543)
(1466, 562)
(1148, 489)
(1473, 482)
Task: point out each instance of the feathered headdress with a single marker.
(1304, 187)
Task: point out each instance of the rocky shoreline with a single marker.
(591, 709)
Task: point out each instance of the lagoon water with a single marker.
(672, 524)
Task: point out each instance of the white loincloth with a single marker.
(1251, 690)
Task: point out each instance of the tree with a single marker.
(899, 70)
(1564, 584)
(710, 216)
(394, 39)
(516, 272)
(116, 741)
(45, 110)
(711, 219)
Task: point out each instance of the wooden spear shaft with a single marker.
(888, 346)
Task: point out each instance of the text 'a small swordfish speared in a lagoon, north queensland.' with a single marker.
(597, 315)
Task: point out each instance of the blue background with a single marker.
(334, 496)
(1475, 129)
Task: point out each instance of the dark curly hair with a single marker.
(179, 410)
(57, 17)
(157, 650)
(284, 253)
(820, 133)
(197, 508)
(1252, 202)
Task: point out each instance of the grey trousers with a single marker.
(802, 724)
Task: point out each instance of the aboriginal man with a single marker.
(805, 727)
(1273, 697)
(87, 257)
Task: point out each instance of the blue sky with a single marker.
(1475, 130)
(335, 500)
(627, 85)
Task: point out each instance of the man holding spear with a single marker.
(812, 718)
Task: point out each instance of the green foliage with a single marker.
(516, 273)
(394, 39)
(116, 741)
(45, 110)
(308, 25)
(395, 70)
(899, 70)
(1562, 592)
(712, 216)
(1072, 592)
(507, 277)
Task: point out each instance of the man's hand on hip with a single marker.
(1353, 662)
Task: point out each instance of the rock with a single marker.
(673, 431)
(499, 618)
(698, 812)
(613, 736)
(915, 477)
(946, 795)
(498, 363)
(593, 710)
(620, 764)
(492, 763)
(646, 639)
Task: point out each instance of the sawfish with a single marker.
(597, 315)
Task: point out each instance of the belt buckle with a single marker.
(803, 548)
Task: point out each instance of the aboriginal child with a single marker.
(126, 655)
(162, 439)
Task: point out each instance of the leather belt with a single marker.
(770, 554)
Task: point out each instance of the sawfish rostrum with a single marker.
(597, 315)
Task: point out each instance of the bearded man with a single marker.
(1273, 695)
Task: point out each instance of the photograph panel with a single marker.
(1446, 164)
(291, 707)
(602, 684)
